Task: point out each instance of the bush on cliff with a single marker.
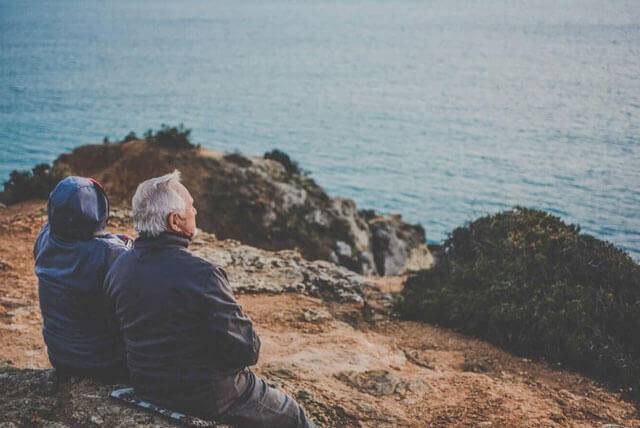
(35, 184)
(238, 159)
(281, 157)
(170, 137)
(130, 137)
(528, 282)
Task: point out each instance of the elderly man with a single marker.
(72, 255)
(188, 343)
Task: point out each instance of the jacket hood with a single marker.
(78, 208)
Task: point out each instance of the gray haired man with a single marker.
(187, 342)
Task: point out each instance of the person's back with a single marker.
(188, 343)
(187, 339)
(72, 255)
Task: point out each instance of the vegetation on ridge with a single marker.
(169, 137)
(238, 159)
(281, 157)
(38, 182)
(24, 185)
(130, 137)
(525, 280)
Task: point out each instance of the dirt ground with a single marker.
(371, 374)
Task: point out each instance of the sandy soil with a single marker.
(343, 367)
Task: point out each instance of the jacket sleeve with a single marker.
(115, 246)
(114, 249)
(230, 328)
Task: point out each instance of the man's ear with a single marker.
(174, 221)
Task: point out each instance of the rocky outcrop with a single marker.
(381, 382)
(398, 246)
(343, 355)
(261, 203)
(286, 271)
(37, 398)
(257, 271)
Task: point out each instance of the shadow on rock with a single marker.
(38, 398)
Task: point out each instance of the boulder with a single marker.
(398, 246)
(38, 398)
(382, 382)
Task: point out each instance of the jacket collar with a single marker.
(165, 239)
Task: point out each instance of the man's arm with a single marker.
(230, 328)
(114, 250)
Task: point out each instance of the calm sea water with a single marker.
(439, 110)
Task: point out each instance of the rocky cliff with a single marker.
(260, 202)
(329, 338)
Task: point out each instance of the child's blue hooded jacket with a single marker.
(72, 256)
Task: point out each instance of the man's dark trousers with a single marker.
(264, 406)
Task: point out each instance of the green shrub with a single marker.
(170, 137)
(367, 214)
(25, 185)
(130, 137)
(238, 159)
(281, 157)
(536, 286)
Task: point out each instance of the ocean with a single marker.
(442, 111)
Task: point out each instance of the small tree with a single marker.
(130, 137)
(170, 137)
(281, 157)
(24, 185)
(238, 159)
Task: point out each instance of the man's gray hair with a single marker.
(153, 201)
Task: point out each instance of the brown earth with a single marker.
(347, 364)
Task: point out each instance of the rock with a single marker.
(252, 270)
(259, 203)
(374, 382)
(420, 258)
(381, 382)
(476, 365)
(416, 357)
(343, 250)
(312, 316)
(97, 420)
(280, 370)
(304, 394)
(366, 408)
(414, 385)
(39, 398)
(398, 246)
(5, 266)
(143, 419)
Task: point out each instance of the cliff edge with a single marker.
(262, 202)
(330, 339)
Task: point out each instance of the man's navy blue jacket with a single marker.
(72, 256)
(187, 340)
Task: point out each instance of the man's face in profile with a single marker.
(186, 224)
